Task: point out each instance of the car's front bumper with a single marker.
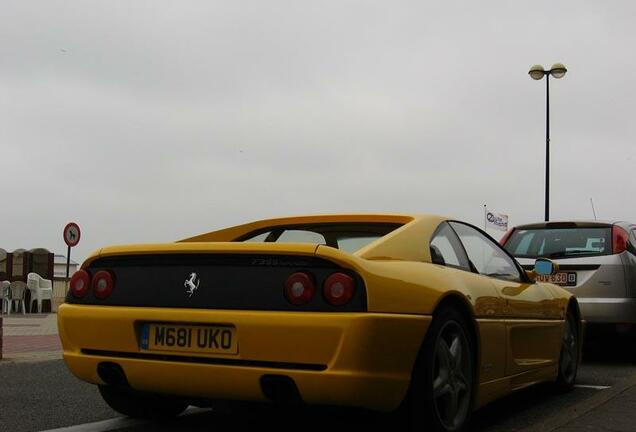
(608, 310)
(351, 359)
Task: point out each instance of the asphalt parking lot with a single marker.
(43, 396)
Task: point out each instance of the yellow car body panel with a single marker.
(368, 357)
(360, 352)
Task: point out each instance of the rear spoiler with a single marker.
(563, 225)
(204, 247)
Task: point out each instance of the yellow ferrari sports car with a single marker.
(419, 314)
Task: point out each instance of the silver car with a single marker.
(597, 262)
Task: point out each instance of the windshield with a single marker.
(560, 242)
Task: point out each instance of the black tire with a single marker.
(443, 383)
(570, 355)
(142, 405)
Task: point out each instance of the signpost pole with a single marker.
(68, 260)
(68, 264)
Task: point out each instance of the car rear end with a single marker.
(596, 263)
(236, 321)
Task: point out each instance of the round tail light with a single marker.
(339, 289)
(299, 288)
(103, 284)
(80, 283)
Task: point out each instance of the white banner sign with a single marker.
(496, 221)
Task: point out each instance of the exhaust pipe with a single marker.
(112, 374)
(280, 389)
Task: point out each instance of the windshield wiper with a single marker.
(564, 254)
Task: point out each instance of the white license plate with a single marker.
(189, 338)
(559, 278)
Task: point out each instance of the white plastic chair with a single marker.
(41, 289)
(5, 295)
(18, 290)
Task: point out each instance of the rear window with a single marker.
(348, 237)
(560, 242)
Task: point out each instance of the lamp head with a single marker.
(558, 70)
(536, 72)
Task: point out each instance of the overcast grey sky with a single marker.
(153, 121)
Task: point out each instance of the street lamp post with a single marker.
(537, 72)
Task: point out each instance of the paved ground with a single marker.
(615, 414)
(37, 395)
(30, 337)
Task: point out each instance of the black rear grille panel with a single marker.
(240, 282)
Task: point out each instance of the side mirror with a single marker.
(545, 267)
(542, 267)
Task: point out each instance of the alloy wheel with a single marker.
(452, 376)
(569, 352)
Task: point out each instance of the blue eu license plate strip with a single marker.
(145, 332)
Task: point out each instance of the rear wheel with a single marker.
(141, 405)
(441, 394)
(570, 349)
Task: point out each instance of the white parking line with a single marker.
(100, 426)
(595, 387)
(116, 423)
